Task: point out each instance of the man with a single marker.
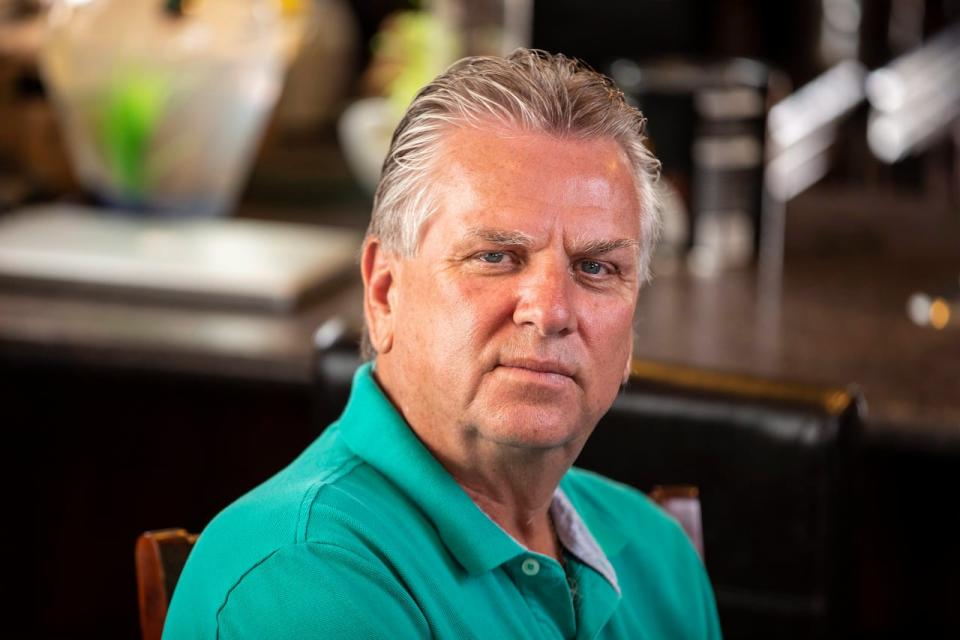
(511, 232)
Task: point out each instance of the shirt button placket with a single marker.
(530, 567)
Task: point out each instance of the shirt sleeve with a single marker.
(710, 609)
(708, 603)
(319, 590)
(704, 620)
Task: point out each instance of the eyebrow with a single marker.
(519, 239)
(600, 247)
(500, 237)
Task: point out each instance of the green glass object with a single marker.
(162, 103)
(131, 111)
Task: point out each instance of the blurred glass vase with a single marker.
(163, 102)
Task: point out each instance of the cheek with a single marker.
(477, 305)
(611, 318)
(609, 333)
(452, 319)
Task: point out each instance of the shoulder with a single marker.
(306, 586)
(281, 533)
(277, 512)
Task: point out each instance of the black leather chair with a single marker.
(774, 465)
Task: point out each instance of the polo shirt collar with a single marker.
(375, 431)
(577, 539)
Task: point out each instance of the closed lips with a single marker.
(540, 367)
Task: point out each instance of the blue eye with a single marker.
(591, 267)
(492, 256)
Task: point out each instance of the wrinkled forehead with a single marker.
(496, 178)
(510, 160)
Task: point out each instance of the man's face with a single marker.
(513, 321)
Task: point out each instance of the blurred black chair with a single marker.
(336, 359)
(773, 463)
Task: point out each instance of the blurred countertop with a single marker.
(852, 260)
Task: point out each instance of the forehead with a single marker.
(535, 181)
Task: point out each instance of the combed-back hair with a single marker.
(530, 91)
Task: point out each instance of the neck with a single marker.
(533, 528)
(514, 488)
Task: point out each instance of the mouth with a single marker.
(542, 369)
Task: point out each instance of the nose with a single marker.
(545, 300)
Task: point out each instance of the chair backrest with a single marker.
(682, 501)
(774, 463)
(160, 556)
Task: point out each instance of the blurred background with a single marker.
(183, 189)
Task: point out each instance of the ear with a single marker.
(378, 269)
(628, 367)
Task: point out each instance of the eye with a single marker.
(493, 262)
(492, 257)
(591, 267)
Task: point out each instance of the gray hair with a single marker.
(529, 90)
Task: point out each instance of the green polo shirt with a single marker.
(366, 535)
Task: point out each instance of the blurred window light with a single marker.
(737, 152)
(818, 103)
(918, 308)
(839, 30)
(730, 103)
(842, 15)
(800, 166)
(926, 311)
(914, 75)
(915, 98)
(939, 314)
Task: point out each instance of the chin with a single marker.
(533, 427)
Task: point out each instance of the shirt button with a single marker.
(530, 567)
